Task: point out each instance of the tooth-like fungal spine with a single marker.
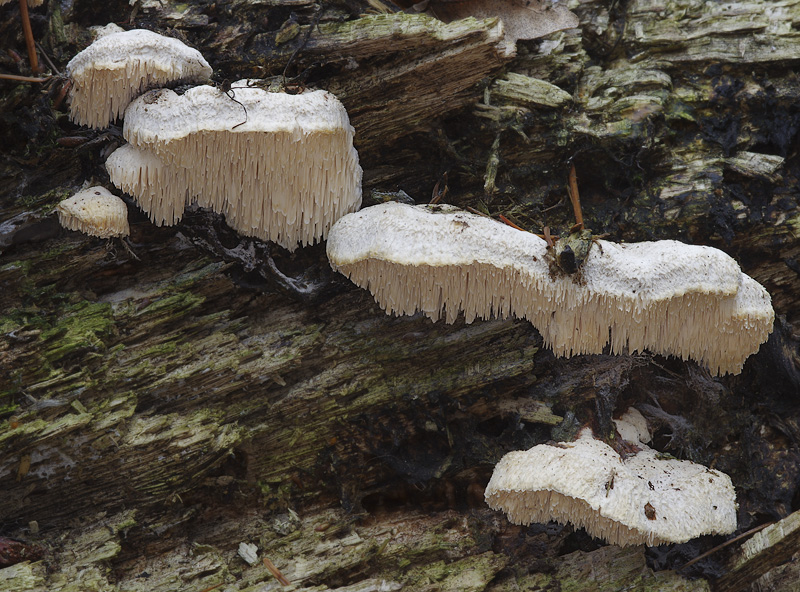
(665, 296)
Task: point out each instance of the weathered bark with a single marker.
(156, 412)
(768, 549)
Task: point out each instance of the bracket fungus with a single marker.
(626, 501)
(294, 174)
(159, 189)
(118, 67)
(664, 296)
(95, 211)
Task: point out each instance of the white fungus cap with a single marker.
(118, 67)
(94, 211)
(640, 499)
(665, 296)
(294, 171)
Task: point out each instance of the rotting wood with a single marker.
(527, 91)
(171, 412)
(426, 69)
(764, 551)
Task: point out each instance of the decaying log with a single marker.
(427, 69)
(767, 550)
(156, 411)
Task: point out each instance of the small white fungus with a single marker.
(118, 67)
(640, 499)
(94, 211)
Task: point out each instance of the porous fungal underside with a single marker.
(294, 172)
(118, 67)
(665, 296)
(642, 499)
(94, 211)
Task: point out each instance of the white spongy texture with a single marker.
(118, 67)
(94, 211)
(640, 499)
(664, 296)
(285, 170)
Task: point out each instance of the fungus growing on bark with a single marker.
(94, 211)
(295, 170)
(626, 501)
(118, 67)
(160, 190)
(665, 296)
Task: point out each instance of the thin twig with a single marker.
(65, 88)
(437, 194)
(47, 59)
(28, 32)
(725, 544)
(474, 211)
(128, 248)
(548, 238)
(23, 78)
(275, 572)
(314, 23)
(574, 197)
(508, 222)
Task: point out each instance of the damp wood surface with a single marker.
(157, 411)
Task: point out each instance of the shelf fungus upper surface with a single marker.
(643, 498)
(118, 67)
(665, 296)
(280, 167)
(94, 211)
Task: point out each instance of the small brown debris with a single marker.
(276, 572)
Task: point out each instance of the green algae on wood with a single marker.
(765, 550)
(607, 569)
(334, 403)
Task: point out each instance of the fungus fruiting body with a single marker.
(94, 211)
(160, 190)
(665, 296)
(295, 170)
(626, 501)
(118, 67)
